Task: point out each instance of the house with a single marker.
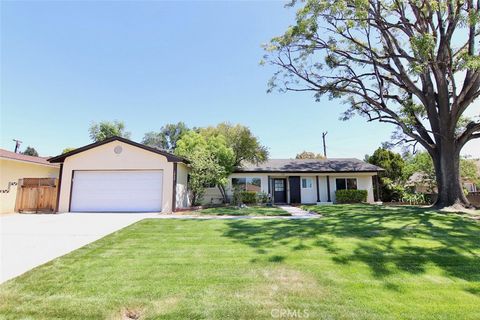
(119, 175)
(301, 180)
(15, 166)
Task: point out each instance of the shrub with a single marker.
(262, 198)
(248, 197)
(351, 196)
(415, 198)
(237, 197)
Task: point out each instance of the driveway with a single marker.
(29, 240)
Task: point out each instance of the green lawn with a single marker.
(247, 211)
(357, 262)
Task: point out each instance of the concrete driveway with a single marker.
(29, 240)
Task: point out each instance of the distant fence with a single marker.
(474, 198)
(36, 195)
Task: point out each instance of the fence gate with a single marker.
(36, 195)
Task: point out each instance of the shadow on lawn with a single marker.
(407, 238)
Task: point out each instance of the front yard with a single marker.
(245, 211)
(357, 262)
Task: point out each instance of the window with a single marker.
(247, 184)
(307, 183)
(209, 185)
(346, 184)
(279, 185)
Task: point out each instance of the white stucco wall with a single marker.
(104, 158)
(364, 182)
(182, 189)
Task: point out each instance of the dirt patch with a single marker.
(128, 313)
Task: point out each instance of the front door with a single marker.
(295, 193)
(280, 190)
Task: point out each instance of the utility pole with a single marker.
(17, 144)
(324, 145)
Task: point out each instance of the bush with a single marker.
(248, 197)
(351, 196)
(415, 198)
(262, 198)
(237, 197)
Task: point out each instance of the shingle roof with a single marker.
(311, 165)
(5, 154)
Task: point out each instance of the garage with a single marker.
(120, 175)
(117, 191)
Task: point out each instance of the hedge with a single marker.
(248, 197)
(351, 196)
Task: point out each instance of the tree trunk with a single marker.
(223, 193)
(446, 160)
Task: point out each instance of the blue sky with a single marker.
(66, 64)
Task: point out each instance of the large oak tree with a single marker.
(414, 64)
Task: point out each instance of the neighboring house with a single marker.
(301, 180)
(15, 166)
(421, 183)
(119, 175)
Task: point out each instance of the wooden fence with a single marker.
(474, 198)
(36, 195)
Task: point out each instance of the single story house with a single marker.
(16, 166)
(119, 175)
(304, 181)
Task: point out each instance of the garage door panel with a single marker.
(115, 191)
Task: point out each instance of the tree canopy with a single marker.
(392, 162)
(211, 161)
(413, 64)
(106, 129)
(390, 179)
(309, 155)
(30, 151)
(167, 137)
(245, 146)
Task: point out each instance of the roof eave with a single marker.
(170, 157)
(310, 171)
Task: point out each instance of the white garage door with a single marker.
(117, 191)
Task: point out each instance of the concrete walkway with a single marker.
(298, 212)
(29, 240)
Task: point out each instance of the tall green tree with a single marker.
(211, 162)
(30, 151)
(167, 137)
(413, 64)
(392, 162)
(390, 179)
(246, 146)
(107, 129)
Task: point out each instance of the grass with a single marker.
(246, 211)
(357, 262)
